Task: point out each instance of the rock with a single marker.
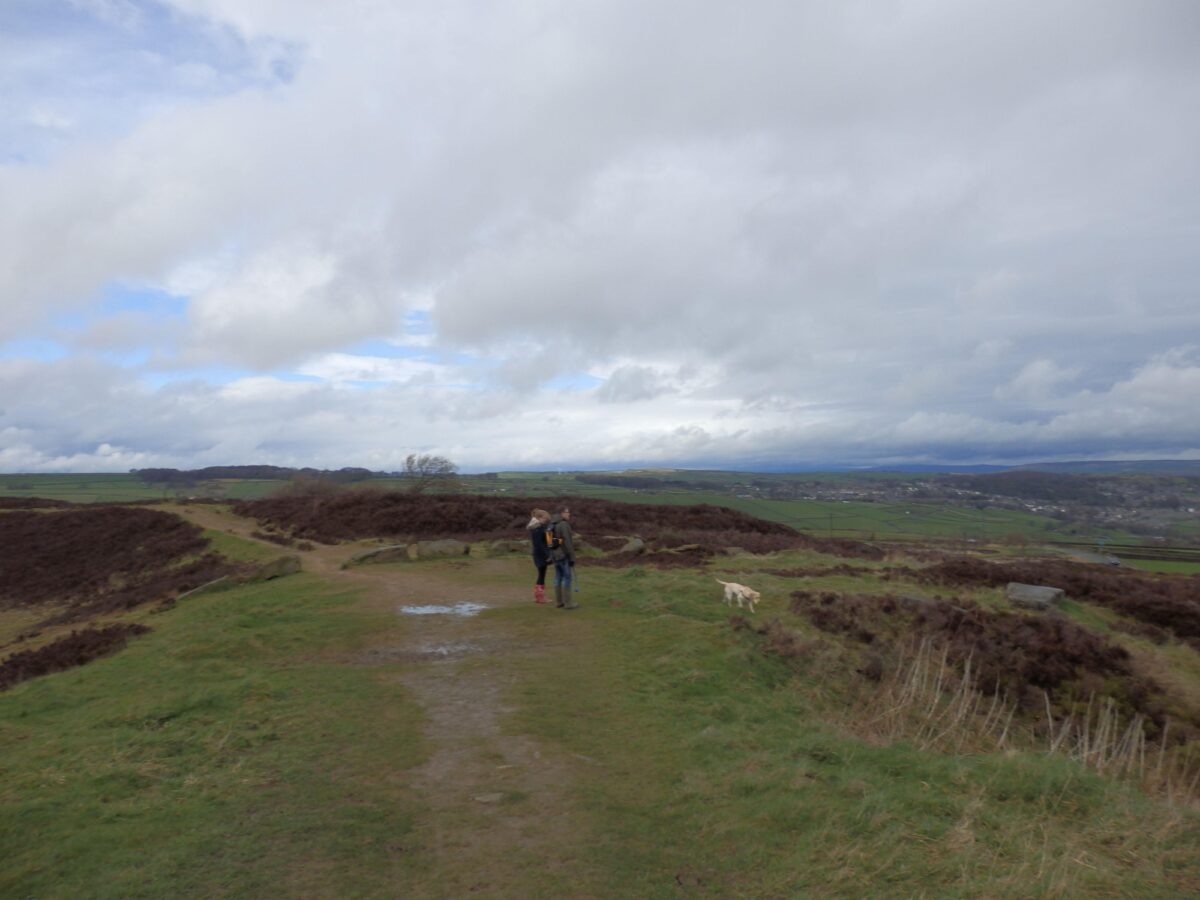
(276, 568)
(438, 549)
(1033, 596)
(488, 798)
(499, 549)
(391, 553)
(223, 581)
(634, 545)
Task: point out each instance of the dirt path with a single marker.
(499, 817)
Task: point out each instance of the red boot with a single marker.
(539, 593)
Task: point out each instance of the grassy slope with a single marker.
(234, 752)
(216, 756)
(716, 768)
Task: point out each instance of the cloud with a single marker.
(785, 233)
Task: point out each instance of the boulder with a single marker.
(503, 548)
(438, 549)
(634, 545)
(486, 549)
(1033, 596)
(390, 553)
(276, 568)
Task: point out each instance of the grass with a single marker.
(1169, 566)
(236, 751)
(215, 756)
(115, 487)
(719, 770)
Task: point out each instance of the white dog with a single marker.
(739, 592)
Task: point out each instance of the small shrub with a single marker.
(76, 649)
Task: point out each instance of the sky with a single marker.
(598, 233)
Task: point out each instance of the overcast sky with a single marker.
(597, 233)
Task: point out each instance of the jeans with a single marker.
(562, 573)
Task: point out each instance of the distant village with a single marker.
(1148, 505)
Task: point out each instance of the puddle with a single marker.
(458, 609)
(446, 651)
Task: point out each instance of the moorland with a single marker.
(180, 715)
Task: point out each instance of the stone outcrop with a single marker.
(447, 547)
(486, 549)
(391, 553)
(634, 545)
(1033, 596)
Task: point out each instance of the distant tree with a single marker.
(423, 471)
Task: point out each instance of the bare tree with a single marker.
(425, 470)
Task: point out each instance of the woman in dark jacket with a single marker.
(537, 527)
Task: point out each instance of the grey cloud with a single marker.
(628, 384)
(876, 230)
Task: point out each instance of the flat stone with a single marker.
(1033, 596)
(276, 568)
(438, 549)
(488, 798)
(392, 553)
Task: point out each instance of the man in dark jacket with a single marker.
(564, 559)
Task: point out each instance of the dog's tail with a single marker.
(719, 581)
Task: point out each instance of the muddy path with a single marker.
(499, 818)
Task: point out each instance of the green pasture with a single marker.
(123, 487)
(1170, 566)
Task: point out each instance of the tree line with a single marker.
(422, 471)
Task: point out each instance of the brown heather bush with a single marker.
(1165, 601)
(100, 559)
(32, 503)
(281, 539)
(1008, 653)
(357, 514)
(928, 689)
(841, 569)
(76, 649)
(842, 547)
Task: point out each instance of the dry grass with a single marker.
(924, 699)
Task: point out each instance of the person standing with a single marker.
(564, 559)
(539, 524)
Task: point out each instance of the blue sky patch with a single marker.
(75, 72)
(39, 349)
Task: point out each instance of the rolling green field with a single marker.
(848, 519)
(124, 487)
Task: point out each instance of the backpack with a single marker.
(553, 541)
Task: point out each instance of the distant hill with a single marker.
(1184, 467)
(934, 469)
